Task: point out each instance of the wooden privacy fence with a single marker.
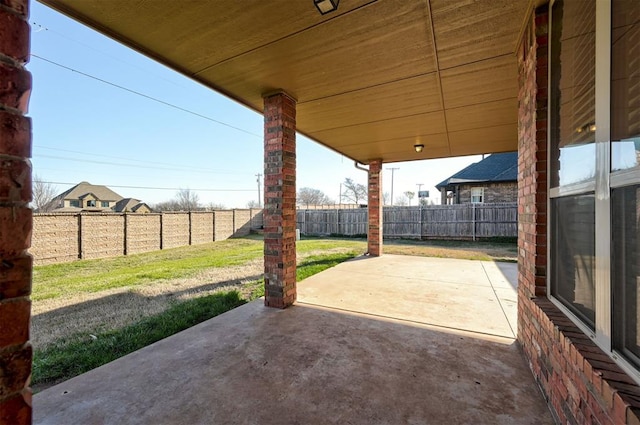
(465, 221)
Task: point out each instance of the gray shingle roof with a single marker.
(126, 204)
(103, 193)
(498, 167)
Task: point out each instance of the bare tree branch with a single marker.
(354, 192)
(43, 194)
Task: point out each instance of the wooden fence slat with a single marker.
(465, 221)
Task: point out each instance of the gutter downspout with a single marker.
(360, 167)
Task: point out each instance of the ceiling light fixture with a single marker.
(326, 6)
(418, 148)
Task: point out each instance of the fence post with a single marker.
(126, 233)
(161, 230)
(80, 255)
(213, 218)
(473, 219)
(190, 220)
(233, 232)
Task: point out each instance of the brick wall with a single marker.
(175, 230)
(142, 233)
(201, 227)
(15, 215)
(493, 192)
(279, 200)
(242, 223)
(223, 225)
(581, 383)
(374, 207)
(101, 235)
(55, 238)
(59, 238)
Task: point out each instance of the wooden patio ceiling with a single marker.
(371, 79)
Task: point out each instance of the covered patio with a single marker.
(392, 339)
(381, 81)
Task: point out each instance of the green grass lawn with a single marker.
(57, 280)
(81, 352)
(77, 353)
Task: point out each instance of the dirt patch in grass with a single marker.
(465, 250)
(56, 320)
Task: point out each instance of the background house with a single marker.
(97, 198)
(494, 179)
(131, 205)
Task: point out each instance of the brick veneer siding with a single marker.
(580, 382)
(493, 192)
(374, 222)
(15, 215)
(279, 200)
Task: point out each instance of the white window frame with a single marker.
(481, 190)
(605, 180)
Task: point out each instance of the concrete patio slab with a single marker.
(408, 288)
(312, 365)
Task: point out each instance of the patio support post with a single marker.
(15, 215)
(374, 231)
(279, 200)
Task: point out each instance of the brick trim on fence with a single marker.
(15, 215)
(581, 383)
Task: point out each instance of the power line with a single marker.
(176, 167)
(116, 164)
(161, 188)
(112, 57)
(144, 95)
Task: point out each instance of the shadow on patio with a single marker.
(387, 340)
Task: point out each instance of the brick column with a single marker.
(374, 231)
(532, 158)
(279, 200)
(15, 215)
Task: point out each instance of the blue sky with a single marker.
(84, 129)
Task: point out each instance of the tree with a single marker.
(43, 194)
(354, 192)
(187, 200)
(386, 197)
(409, 195)
(253, 204)
(401, 201)
(211, 206)
(310, 196)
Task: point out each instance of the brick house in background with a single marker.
(494, 179)
(95, 198)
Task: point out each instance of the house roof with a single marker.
(371, 79)
(499, 167)
(78, 191)
(129, 204)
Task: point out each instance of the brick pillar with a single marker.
(374, 231)
(15, 215)
(279, 200)
(532, 158)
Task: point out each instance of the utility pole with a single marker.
(419, 187)
(258, 180)
(340, 196)
(393, 169)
